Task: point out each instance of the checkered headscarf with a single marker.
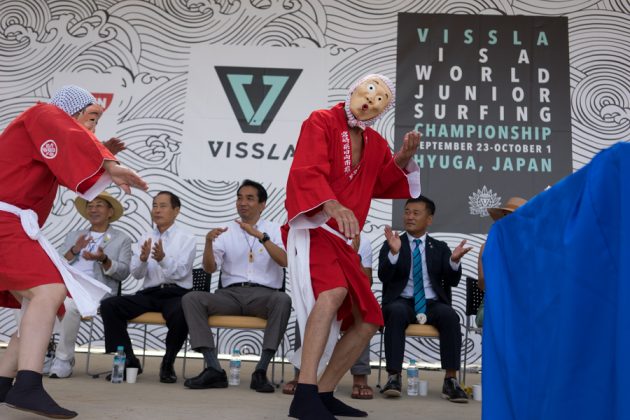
(72, 99)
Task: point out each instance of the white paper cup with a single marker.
(423, 388)
(477, 392)
(132, 375)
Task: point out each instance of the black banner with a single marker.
(490, 95)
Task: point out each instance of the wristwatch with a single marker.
(73, 253)
(104, 260)
(264, 238)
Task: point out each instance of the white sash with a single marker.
(298, 251)
(86, 291)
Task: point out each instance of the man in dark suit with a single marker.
(418, 272)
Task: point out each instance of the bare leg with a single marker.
(347, 351)
(37, 324)
(317, 331)
(307, 404)
(9, 361)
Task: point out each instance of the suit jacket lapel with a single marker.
(405, 253)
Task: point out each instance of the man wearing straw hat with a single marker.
(496, 213)
(101, 252)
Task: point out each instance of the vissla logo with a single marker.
(256, 93)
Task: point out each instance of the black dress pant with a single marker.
(400, 313)
(117, 310)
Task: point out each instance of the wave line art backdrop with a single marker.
(141, 48)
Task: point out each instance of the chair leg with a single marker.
(89, 352)
(94, 375)
(185, 357)
(380, 362)
(282, 362)
(273, 372)
(465, 352)
(144, 345)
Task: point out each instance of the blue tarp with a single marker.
(556, 338)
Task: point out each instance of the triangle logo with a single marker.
(256, 93)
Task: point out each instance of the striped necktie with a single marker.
(420, 303)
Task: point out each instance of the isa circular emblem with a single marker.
(49, 149)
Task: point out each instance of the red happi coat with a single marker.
(42, 148)
(321, 171)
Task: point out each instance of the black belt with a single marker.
(249, 284)
(162, 286)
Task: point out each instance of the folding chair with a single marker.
(474, 297)
(245, 323)
(413, 330)
(242, 323)
(201, 281)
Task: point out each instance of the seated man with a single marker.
(418, 272)
(250, 255)
(101, 252)
(164, 259)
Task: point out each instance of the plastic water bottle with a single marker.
(118, 369)
(235, 368)
(413, 382)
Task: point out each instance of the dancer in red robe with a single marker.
(340, 164)
(43, 147)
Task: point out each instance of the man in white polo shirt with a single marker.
(250, 255)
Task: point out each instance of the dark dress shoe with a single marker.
(452, 391)
(260, 383)
(167, 374)
(209, 378)
(392, 387)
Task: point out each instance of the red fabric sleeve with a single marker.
(308, 185)
(70, 151)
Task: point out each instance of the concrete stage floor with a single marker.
(96, 399)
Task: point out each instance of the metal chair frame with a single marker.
(201, 281)
(246, 323)
(413, 330)
(474, 297)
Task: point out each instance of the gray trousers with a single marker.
(272, 305)
(361, 366)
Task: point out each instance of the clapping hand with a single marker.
(393, 240)
(158, 251)
(214, 234)
(145, 250)
(460, 251)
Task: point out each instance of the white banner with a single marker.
(245, 107)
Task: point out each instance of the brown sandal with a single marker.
(289, 387)
(358, 392)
